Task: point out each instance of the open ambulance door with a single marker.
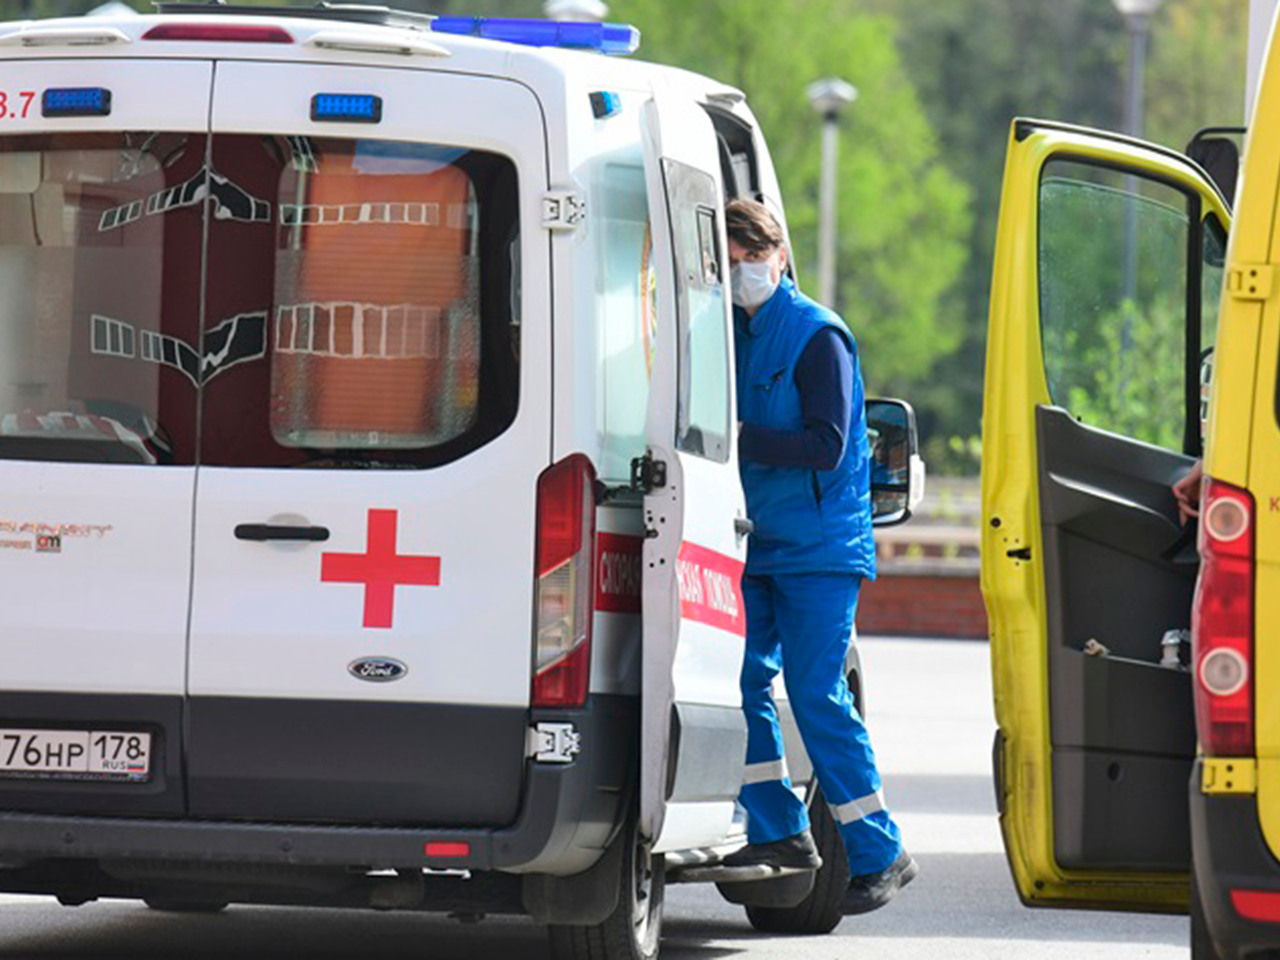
(1109, 261)
(693, 739)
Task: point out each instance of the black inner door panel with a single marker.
(1121, 725)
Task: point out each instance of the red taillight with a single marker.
(1257, 904)
(446, 849)
(225, 32)
(564, 587)
(1222, 622)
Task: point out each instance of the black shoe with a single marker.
(871, 891)
(791, 853)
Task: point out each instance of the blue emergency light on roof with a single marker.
(76, 102)
(616, 38)
(346, 107)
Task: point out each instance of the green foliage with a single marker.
(1131, 381)
(1195, 76)
(902, 215)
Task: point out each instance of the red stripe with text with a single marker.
(711, 588)
(619, 573)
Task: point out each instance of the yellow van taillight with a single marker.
(564, 590)
(1222, 622)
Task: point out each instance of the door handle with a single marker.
(271, 531)
(743, 526)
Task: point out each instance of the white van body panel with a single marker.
(119, 576)
(104, 609)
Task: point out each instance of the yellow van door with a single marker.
(1108, 265)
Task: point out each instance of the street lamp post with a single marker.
(1137, 17)
(575, 10)
(829, 97)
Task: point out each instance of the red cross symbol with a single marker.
(380, 569)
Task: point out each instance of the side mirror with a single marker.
(1216, 150)
(897, 472)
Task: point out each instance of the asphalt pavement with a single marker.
(929, 709)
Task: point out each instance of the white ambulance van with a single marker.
(366, 451)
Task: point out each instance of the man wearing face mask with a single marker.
(804, 459)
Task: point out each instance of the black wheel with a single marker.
(166, 905)
(819, 912)
(1202, 947)
(634, 928)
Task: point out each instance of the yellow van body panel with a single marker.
(1243, 440)
(1014, 589)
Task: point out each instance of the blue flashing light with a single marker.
(76, 102)
(605, 104)
(346, 108)
(615, 38)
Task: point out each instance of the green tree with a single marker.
(902, 215)
(1195, 77)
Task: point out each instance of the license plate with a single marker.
(75, 754)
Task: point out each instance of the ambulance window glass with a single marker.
(1113, 299)
(388, 279)
(624, 313)
(100, 240)
(703, 399)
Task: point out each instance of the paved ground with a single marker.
(930, 712)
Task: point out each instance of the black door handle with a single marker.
(270, 531)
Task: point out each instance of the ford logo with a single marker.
(377, 669)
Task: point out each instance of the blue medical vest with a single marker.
(805, 520)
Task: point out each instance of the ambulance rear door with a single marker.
(1109, 262)
(693, 741)
(375, 416)
(97, 436)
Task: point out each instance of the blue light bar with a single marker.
(346, 108)
(616, 38)
(76, 102)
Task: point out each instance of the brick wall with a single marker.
(923, 603)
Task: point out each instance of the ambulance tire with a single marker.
(633, 930)
(820, 911)
(165, 905)
(1202, 946)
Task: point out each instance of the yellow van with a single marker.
(1111, 265)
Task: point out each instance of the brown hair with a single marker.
(751, 225)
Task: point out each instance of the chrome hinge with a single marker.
(1251, 281)
(563, 210)
(554, 742)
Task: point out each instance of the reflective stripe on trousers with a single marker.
(855, 810)
(766, 771)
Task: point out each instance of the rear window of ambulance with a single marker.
(255, 300)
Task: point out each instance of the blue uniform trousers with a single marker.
(801, 623)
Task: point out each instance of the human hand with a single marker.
(1187, 492)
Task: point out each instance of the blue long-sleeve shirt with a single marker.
(824, 378)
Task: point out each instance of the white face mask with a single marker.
(751, 282)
